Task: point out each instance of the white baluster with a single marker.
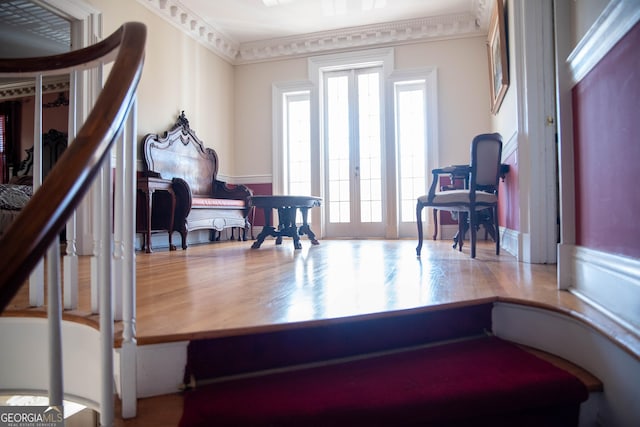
(128, 372)
(105, 230)
(36, 279)
(71, 255)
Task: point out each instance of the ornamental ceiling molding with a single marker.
(193, 25)
(21, 89)
(398, 32)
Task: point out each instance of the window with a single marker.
(296, 143)
(410, 137)
(416, 136)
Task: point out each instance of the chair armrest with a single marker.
(442, 171)
(222, 190)
(434, 182)
(151, 174)
(184, 200)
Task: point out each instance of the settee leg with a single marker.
(183, 236)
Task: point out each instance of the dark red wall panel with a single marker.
(260, 190)
(606, 109)
(509, 198)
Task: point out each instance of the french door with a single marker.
(353, 117)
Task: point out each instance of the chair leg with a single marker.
(462, 221)
(419, 207)
(435, 224)
(473, 231)
(497, 230)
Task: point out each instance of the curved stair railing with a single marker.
(104, 148)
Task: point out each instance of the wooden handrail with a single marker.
(41, 220)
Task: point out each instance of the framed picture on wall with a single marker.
(497, 50)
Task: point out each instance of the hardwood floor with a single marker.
(218, 289)
(228, 288)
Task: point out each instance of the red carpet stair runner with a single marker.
(476, 381)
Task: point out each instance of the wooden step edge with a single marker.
(590, 381)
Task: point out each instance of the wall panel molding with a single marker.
(615, 21)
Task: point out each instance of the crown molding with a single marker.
(398, 32)
(190, 23)
(24, 88)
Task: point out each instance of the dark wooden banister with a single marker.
(39, 223)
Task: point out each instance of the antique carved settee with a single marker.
(202, 201)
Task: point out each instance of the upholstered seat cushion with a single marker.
(208, 202)
(458, 200)
(14, 197)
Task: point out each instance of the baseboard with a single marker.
(447, 231)
(510, 241)
(609, 281)
(160, 241)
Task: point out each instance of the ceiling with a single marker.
(253, 20)
(244, 31)
(29, 29)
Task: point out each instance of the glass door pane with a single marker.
(298, 144)
(411, 136)
(338, 137)
(369, 170)
(353, 144)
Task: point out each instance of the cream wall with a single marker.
(463, 98)
(584, 14)
(463, 91)
(253, 117)
(179, 74)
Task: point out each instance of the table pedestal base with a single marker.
(286, 226)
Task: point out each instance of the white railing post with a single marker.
(71, 254)
(97, 212)
(105, 231)
(118, 223)
(54, 310)
(128, 354)
(36, 279)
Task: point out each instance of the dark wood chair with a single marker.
(481, 194)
